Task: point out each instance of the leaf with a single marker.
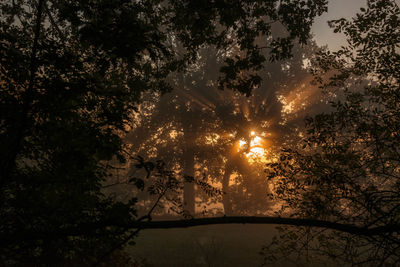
(138, 182)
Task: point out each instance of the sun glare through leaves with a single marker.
(254, 148)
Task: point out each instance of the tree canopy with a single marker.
(348, 169)
(74, 76)
(71, 75)
(209, 131)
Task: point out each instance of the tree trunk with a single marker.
(189, 193)
(8, 164)
(226, 198)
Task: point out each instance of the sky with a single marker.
(336, 9)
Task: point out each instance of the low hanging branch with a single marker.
(348, 228)
(91, 229)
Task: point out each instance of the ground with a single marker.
(218, 245)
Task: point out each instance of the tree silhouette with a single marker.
(348, 171)
(71, 75)
(341, 183)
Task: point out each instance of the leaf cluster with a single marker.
(348, 169)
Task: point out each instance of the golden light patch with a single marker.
(212, 139)
(242, 144)
(173, 134)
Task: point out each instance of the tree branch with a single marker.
(91, 229)
(54, 24)
(347, 228)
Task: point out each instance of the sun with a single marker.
(256, 148)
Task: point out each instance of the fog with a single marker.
(199, 133)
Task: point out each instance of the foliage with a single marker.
(71, 76)
(212, 123)
(348, 169)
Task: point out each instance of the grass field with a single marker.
(219, 245)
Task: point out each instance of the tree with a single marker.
(219, 124)
(63, 104)
(348, 169)
(340, 187)
(71, 76)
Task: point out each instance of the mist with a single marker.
(199, 133)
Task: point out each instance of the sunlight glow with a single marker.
(257, 141)
(173, 134)
(252, 133)
(256, 151)
(212, 139)
(242, 143)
